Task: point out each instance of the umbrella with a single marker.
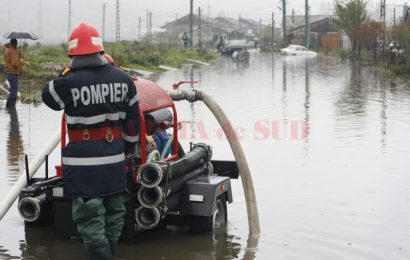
(20, 35)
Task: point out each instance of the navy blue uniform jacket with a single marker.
(91, 98)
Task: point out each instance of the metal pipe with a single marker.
(176, 184)
(40, 186)
(33, 167)
(247, 184)
(152, 174)
(150, 197)
(30, 207)
(147, 217)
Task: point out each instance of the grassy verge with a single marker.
(47, 61)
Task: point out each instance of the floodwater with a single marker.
(327, 143)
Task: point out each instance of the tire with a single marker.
(201, 224)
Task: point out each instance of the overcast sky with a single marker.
(24, 14)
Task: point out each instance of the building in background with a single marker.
(209, 29)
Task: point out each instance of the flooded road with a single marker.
(327, 143)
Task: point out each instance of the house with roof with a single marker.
(323, 32)
(295, 21)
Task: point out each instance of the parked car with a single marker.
(297, 50)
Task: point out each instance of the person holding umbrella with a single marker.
(13, 67)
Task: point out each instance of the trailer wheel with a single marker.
(201, 224)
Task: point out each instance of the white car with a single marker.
(297, 50)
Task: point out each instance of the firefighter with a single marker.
(102, 113)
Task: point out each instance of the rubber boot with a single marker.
(113, 246)
(100, 252)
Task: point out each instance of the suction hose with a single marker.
(30, 207)
(33, 167)
(251, 205)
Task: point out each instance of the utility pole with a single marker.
(199, 27)
(191, 22)
(69, 18)
(284, 22)
(383, 19)
(394, 16)
(40, 21)
(306, 23)
(117, 21)
(139, 28)
(103, 22)
(147, 27)
(150, 26)
(260, 27)
(239, 23)
(273, 29)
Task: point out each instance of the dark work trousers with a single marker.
(99, 220)
(13, 80)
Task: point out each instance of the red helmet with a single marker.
(84, 39)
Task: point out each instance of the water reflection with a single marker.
(306, 104)
(251, 248)
(336, 194)
(50, 247)
(353, 99)
(161, 244)
(15, 148)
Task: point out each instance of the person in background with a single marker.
(102, 113)
(13, 67)
(185, 40)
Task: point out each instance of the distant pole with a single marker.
(40, 21)
(150, 26)
(394, 16)
(260, 26)
(239, 23)
(383, 19)
(273, 29)
(191, 22)
(147, 27)
(284, 22)
(117, 21)
(199, 26)
(103, 22)
(306, 23)
(69, 18)
(139, 28)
